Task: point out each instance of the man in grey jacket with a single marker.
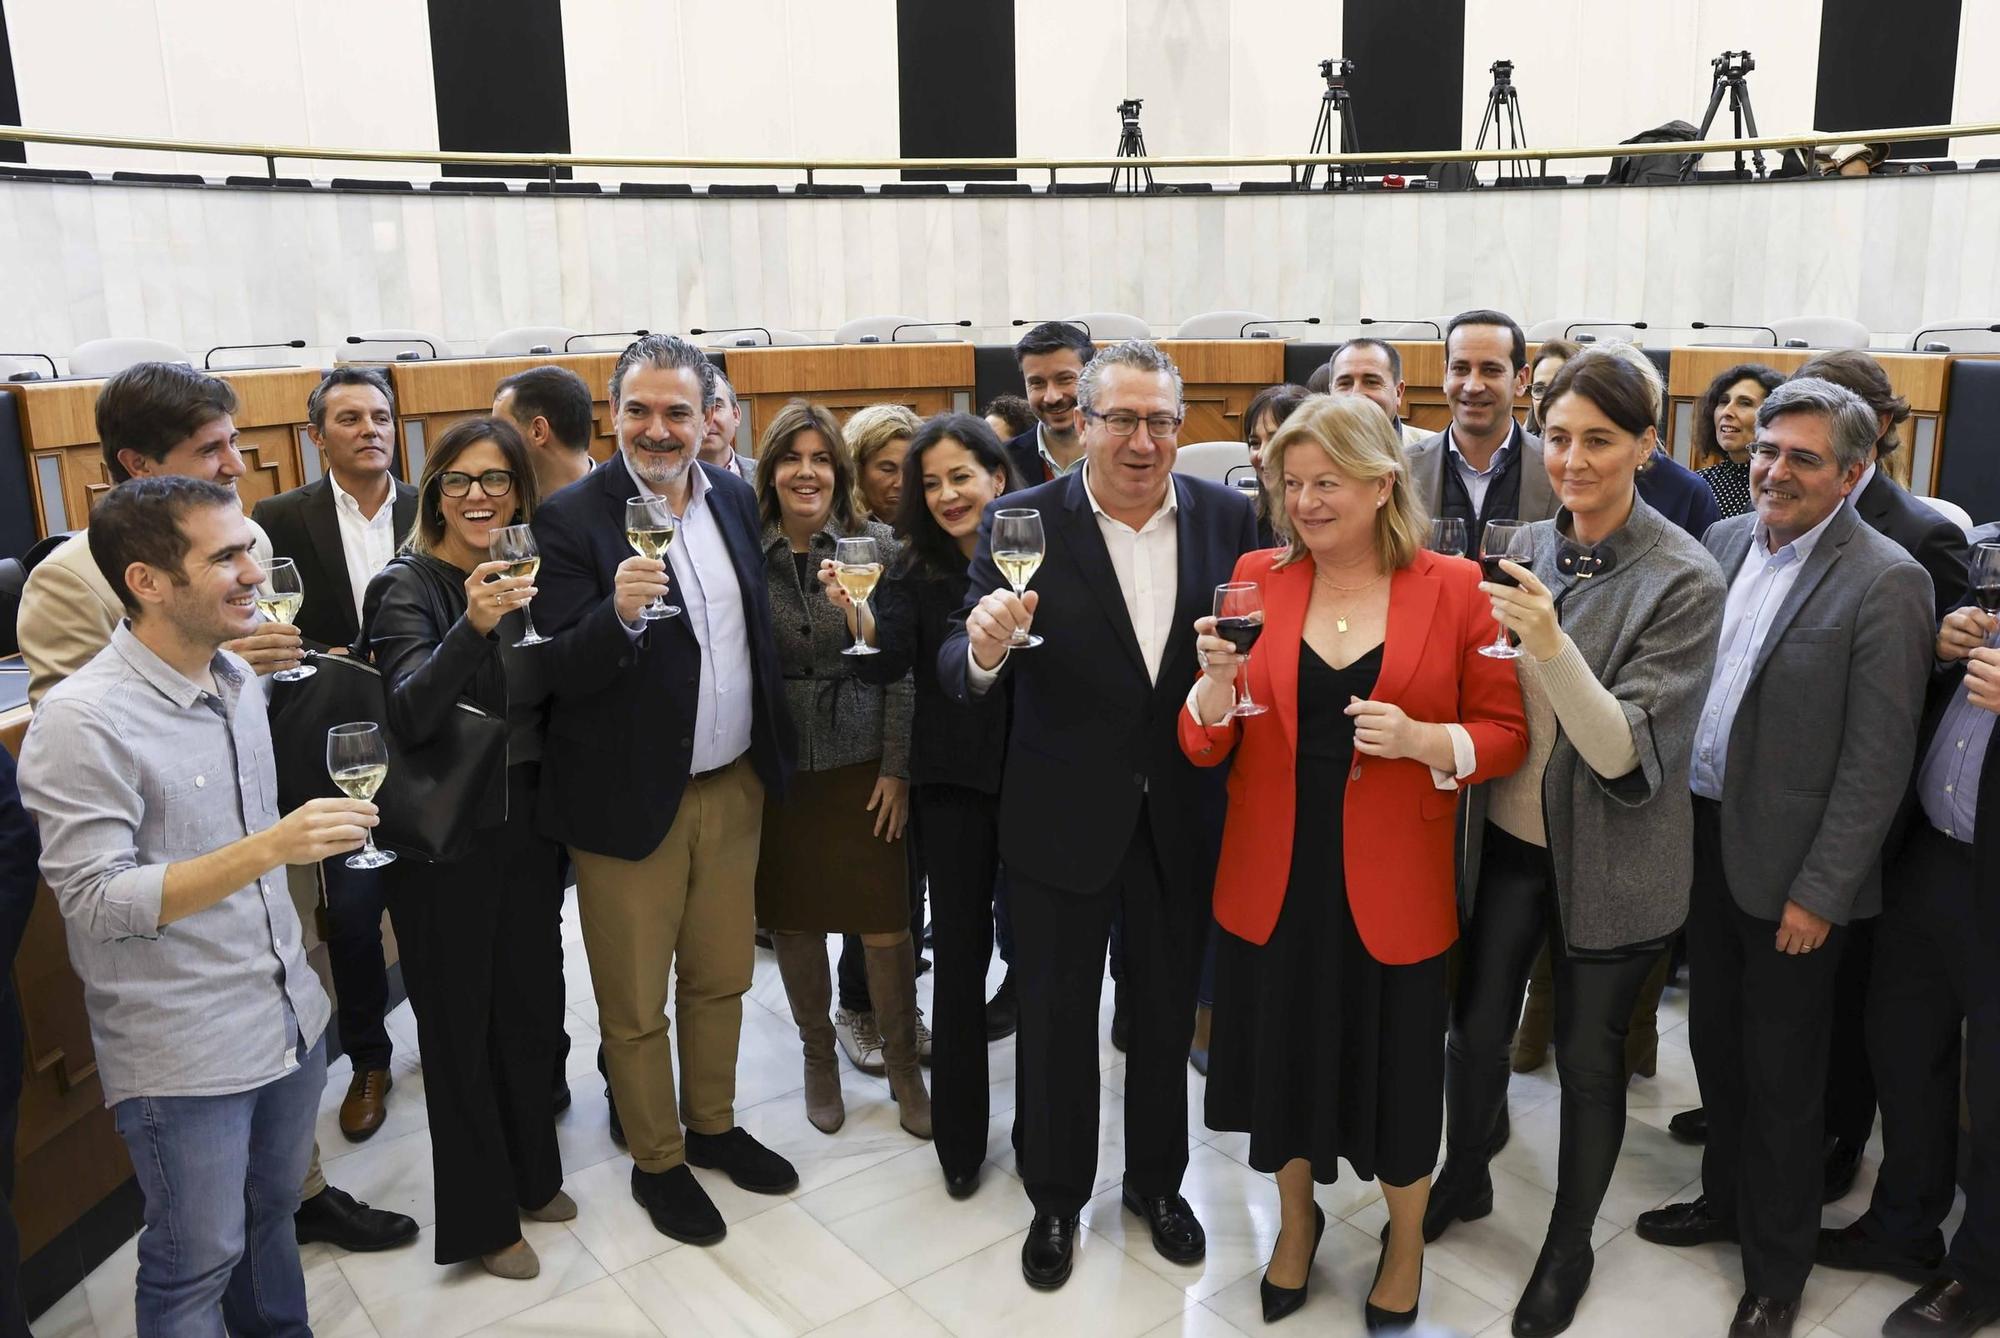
(1801, 757)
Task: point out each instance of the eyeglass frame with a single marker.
(1147, 419)
(444, 488)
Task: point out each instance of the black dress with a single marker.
(1320, 1051)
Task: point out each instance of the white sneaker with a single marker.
(923, 1039)
(860, 1041)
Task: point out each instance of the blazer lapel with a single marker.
(1194, 597)
(1093, 564)
(1825, 553)
(323, 529)
(1538, 499)
(1413, 599)
(1287, 592)
(404, 514)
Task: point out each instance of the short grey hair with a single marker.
(668, 352)
(1850, 422)
(371, 377)
(1141, 355)
(722, 386)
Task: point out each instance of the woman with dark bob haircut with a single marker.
(1725, 427)
(480, 938)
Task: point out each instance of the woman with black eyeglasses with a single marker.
(479, 935)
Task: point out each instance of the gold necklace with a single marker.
(1340, 618)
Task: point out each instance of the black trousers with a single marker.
(1759, 1023)
(482, 956)
(961, 838)
(1060, 939)
(1514, 911)
(355, 899)
(1933, 971)
(1850, 1079)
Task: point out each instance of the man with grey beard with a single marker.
(664, 736)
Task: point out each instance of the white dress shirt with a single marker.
(704, 584)
(1478, 480)
(366, 542)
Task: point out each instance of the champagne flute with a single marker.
(1515, 541)
(1239, 620)
(516, 544)
(1448, 536)
(649, 528)
(1018, 548)
(279, 598)
(857, 566)
(357, 757)
(1986, 582)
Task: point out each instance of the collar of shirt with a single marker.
(168, 681)
(697, 482)
(1802, 547)
(1492, 466)
(1167, 508)
(1867, 477)
(347, 501)
(1055, 470)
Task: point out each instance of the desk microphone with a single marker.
(1577, 325)
(927, 325)
(737, 329)
(1713, 325)
(1936, 348)
(1437, 331)
(1584, 338)
(1066, 320)
(233, 348)
(1797, 343)
(1287, 320)
(1916, 340)
(32, 375)
(399, 339)
(607, 334)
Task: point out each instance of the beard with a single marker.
(659, 472)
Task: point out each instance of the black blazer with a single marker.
(950, 743)
(1091, 737)
(1679, 494)
(1025, 467)
(1936, 543)
(620, 740)
(304, 527)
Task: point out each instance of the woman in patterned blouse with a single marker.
(1725, 424)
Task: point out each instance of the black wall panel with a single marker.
(498, 69)
(1408, 79)
(1882, 66)
(955, 80)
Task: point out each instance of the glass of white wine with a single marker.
(516, 544)
(279, 598)
(649, 528)
(357, 757)
(857, 566)
(1018, 546)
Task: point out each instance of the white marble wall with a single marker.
(203, 267)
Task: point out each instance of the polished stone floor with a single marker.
(870, 1245)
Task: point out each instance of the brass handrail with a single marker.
(550, 161)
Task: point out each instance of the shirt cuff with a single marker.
(1194, 708)
(132, 902)
(978, 680)
(1464, 760)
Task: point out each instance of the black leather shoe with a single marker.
(1942, 1308)
(1690, 1126)
(1843, 1163)
(1049, 1252)
(338, 1218)
(1458, 1195)
(1282, 1301)
(1003, 1011)
(1373, 1317)
(1764, 1317)
(1857, 1247)
(744, 1160)
(1691, 1223)
(962, 1184)
(1176, 1234)
(1561, 1276)
(1121, 1021)
(678, 1205)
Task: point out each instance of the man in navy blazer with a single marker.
(1100, 814)
(1051, 357)
(663, 738)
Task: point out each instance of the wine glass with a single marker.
(1239, 620)
(1986, 582)
(649, 528)
(279, 598)
(1018, 548)
(516, 544)
(857, 566)
(1515, 541)
(1448, 536)
(357, 757)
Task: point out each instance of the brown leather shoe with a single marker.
(366, 1105)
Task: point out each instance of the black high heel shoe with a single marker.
(1375, 1317)
(1282, 1301)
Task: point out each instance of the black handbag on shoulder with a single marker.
(437, 795)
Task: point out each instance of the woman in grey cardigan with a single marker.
(831, 859)
(1591, 841)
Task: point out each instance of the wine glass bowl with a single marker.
(1514, 541)
(357, 757)
(280, 596)
(650, 528)
(1986, 582)
(1018, 548)
(515, 544)
(858, 566)
(1239, 620)
(1448, 536)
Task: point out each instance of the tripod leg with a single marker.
(1322, 137)
(1747, 118)
(1715, 92)
(1499, 139)
(1350, 142)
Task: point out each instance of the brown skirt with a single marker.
(820, 867)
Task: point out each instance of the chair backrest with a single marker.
(1569, 327)
(526, 338)
(894, 330)
(1822, 331)
(1114, 325)
(41, 549)
(761, 337)
(108, 357)
(391, 345)
(1211, 460)
(1224, 325)
(1951, 511)
(1978, 339)
(1404, 330)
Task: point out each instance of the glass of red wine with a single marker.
(1448, 536)
(1239, 620)
(1515, 541)
(1986, 581)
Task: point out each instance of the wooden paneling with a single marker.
(1220, 378)
(1423, 385)
(431, 396)
(928, 378)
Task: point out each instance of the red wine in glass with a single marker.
(1239, 620)
(1987, 597)
(1489, 569)
(1240, 631)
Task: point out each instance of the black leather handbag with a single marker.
(437, 795)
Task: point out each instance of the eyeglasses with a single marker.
(1804, 461)
(1538, 389)
(1159, 425)
(494, 482)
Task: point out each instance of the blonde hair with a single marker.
(869, 430)
(1354, 434)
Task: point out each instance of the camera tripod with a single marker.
(1337, 102)
(1503, 120)
(1731, 69)
(1131, 144)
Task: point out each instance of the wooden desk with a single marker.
(66, 460)
(1424, 403)
(431, 396)
(1219, 379)
(927, 378)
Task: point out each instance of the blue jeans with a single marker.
(221, 1176)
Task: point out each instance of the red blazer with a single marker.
(1399, 825)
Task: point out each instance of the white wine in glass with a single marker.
(857, 566)
(279, 598)
(1018, 549)
(649, 528)
(357, 757)
(515, 544)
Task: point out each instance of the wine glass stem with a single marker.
(1243, 677)
(528, 621)
(860, 616)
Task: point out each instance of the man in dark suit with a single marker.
(340, 530)
(20, 849)
(1935, 945)
(1051, 357)
(1134, 553)
(552, 407)
(1800, 760)
(664, 737)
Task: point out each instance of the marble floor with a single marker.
(870, 1245)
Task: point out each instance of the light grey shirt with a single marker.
(1477, 481)
(128, 767)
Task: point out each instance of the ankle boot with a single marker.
(1475, 1092)
(1642, 1039)
(1538, 1014)
(1561, 1276)
(809, 987)
(892, 986)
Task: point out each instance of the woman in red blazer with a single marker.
(1335, 889)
